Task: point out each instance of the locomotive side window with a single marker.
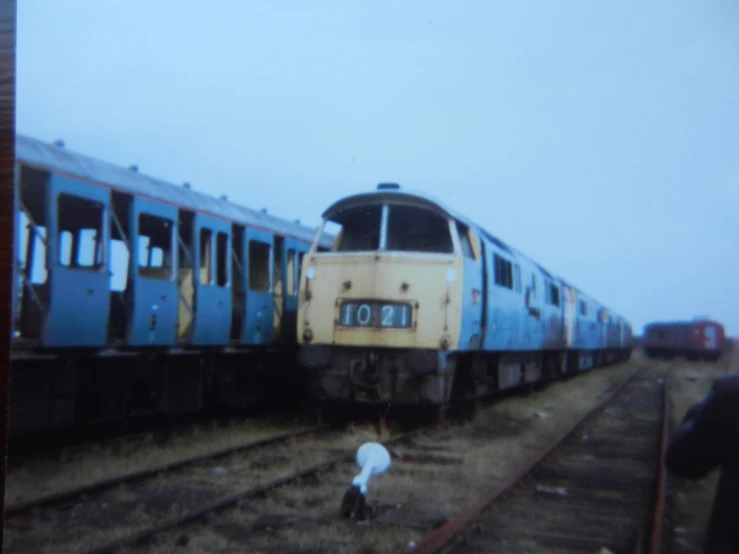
(206, 261)
(221, 259)
(503, 272)
(517, 275)
(80, 237)
(154, 247)
(360, 229)
(553, 294)
(583, 308)
(411, 229)
(464, 240)
(259, 266)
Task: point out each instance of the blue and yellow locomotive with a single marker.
(415, 304)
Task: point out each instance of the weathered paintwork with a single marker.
(212, 302)
(259, 310)
(153, 299)
(78, 296)
(434, 301)
(167, 305)
(506, 317)
(179, 325)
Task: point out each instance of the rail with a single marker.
(437, 539)
(20, 508)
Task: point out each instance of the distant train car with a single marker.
(416, 304)
(694, 340)
(133, 294)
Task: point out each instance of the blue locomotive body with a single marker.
(497, 320)
(134, 294)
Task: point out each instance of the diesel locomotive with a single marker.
(415, 304)
(110, 318)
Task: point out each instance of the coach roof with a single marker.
(40, 154)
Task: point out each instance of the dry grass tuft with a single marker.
(45, 477)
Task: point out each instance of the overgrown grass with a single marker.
(38, 478)
(491, 447)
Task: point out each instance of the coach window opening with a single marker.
(155, 245)
(80, 236)
(120, 261)
(206, 258)
(291, 272)
(31, 198)
(238, 294)
(185, 275)
(222, 252)
(301, 255)
(259, 266)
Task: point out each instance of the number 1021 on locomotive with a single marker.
(382, 315)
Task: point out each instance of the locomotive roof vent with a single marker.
(263, 210)
(133, 167)
(59, 143)
(187, 185)
(223, 197)
(388, 186)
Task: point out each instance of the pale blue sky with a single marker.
(600, 138)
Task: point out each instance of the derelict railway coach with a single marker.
(110, 317)
(701, 338)
(415, 304)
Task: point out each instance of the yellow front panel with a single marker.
(423, 280)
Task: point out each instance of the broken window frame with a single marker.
(99, 249)
(205, 257)
(222, 246)
(250, 277)
(166, 269)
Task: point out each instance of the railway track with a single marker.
(276, 492)
(598, 488)
(19, 509)
(192, 501)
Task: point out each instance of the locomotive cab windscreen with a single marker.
(396, 262)
(406, 228)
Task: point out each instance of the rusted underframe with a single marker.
(235, 499)
(655, 539)
(439, 537)
(22, 507)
